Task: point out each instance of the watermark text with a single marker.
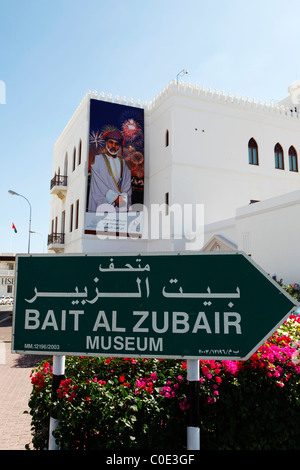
(159, 222)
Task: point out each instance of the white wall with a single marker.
(75, 131)
(271, 231)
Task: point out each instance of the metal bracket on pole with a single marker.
(193, 428)
(58, 376)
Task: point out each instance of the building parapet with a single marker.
(186, 89)
(189, 89)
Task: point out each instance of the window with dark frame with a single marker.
(279, 160)
(77, 214)
(293, 159)
(167, 138)
(167, 203)
(79, 152)
(71, 217)
(253, 152)
(74, 158)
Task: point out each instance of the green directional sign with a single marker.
(183, 305)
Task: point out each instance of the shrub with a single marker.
(112, 403)
(256, 403)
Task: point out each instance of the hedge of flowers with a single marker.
(112, 403)
(127, 403)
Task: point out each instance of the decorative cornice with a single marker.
(180, 88)
(208, 94)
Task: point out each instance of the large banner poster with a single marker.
(115, 189)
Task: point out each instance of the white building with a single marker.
(202, 147)
(7, 274)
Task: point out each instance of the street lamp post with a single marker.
(29, 230)
(182, 72)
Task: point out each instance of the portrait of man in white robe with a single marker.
(110, 176)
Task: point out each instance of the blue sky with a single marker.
(53, 52)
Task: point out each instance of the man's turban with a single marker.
(115, 135)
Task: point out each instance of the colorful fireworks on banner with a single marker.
(130, 129)
(96, 140)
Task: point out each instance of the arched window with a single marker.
(278, 153)
(253, 152)
(293, 160)
(167, 138)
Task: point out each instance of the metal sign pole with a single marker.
(193, 428)
(58, 376)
